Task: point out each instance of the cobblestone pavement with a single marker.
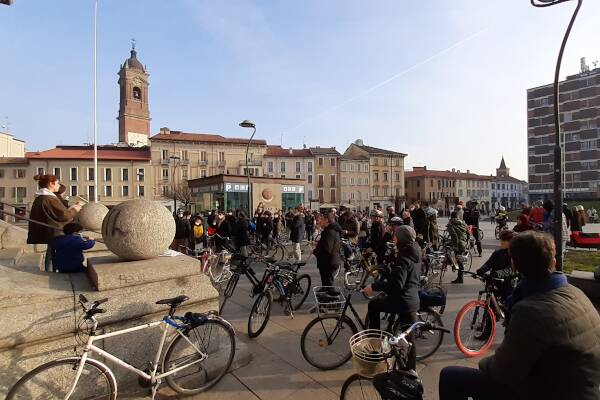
(278, 371)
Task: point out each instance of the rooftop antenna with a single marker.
(6, 125)
(132, 44)
(281, 139)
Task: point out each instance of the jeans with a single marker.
(462, 383)
(477, 241)
(326, 276)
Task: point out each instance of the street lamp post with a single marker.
(175, 161)
(248, 124)
(558, 196)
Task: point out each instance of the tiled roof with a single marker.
(324, 151)
(444, 174)
(375, 150)
(278, 151)
(87, 153)
(507, 179)
(204, 138)
(13, 160)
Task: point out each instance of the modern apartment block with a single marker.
(580, 127)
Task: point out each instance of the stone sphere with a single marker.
(138, 229)
(92, 215)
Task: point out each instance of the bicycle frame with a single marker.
(153, 377)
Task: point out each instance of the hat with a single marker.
(396, 221)
(405, 234)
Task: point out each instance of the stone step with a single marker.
(31, 260)
(10, 257)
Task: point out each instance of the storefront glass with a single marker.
(291, 200)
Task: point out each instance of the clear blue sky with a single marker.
(315, 72)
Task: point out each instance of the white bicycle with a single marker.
(196, 359)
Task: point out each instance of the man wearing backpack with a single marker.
(457, 230)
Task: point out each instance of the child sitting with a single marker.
(68, 249)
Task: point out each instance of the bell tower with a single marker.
(134, 114)
(503, 171)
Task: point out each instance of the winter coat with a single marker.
(458, 234)
(537, 215)
(551, 349)
(376, 241)
(460, 212)
(471, 217)
(183, 230)
(349, 223)
(327, 250)
(240, 234)
(401, 280)
(264, 225)
(68, 252)
(47, 208)
(419, 219)
(297, 228)
(500, 266)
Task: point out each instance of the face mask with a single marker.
(197, 222)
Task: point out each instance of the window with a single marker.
(141, 191)
(203, 173)
(20, 173)
(270, 167)
(137, 93)
(352, 181)
(57, 172)
(202, 156)
(282, 176)
(165, 154)
(376, 176)
(73, 190)
(221, 156)
(90, 174)
(309, 177)
(332, 160)
(91, 192)
(385, 176)
(184, 173)
(376, 190)
(332, 180)
(297, 176)
(282, 166)
(2, 192)
(320, 181)
(310, 195)
(108, 174)
(165, 173)
(73, 173)
(418, 183)
(397, 177)
(165, 190)
(21, 193)
(125, 191)
(40, 171)
(297, 166)
(344, 196)
(309, 166)
(108, 191)
(344, 180)
(385, 162)
(320, 161)
(140, 174)
(1, 173)
(332, 199)
(125, 174)
(321, 195)
(184, 155)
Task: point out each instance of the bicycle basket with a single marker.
(432, 297)
(370, 352)
(329, 299)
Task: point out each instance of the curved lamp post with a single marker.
(248, 124)
(558, 196)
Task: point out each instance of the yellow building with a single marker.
(326, 175)
(11, 146)
(291, 163)
(354, 179)
(15, 186)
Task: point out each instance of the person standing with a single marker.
(49, 210)
(376, 242)
(183, 232)
(419, 219)
(309, 224)
(391, 214)
(460, 210)
(327, 251)
(471, 217)
(198, 232)
(457, 229)
(297, 230)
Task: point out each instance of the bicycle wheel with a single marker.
(497, 232)
(468, 261)
(259, 315)
(54, 380)
(277, 252)
(299, 290)
(336, 273)
(474, 328)
(325, 342)
(480, 234)
(427, 342)
(216, 340)
(369, 277)
(357, 387)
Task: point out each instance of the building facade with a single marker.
(386, 174)
(507, 191)
(327, 190)
(291, 163)
(16, 188)
(354, 179)
(580, 126)
(11, 146)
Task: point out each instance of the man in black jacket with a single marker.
(418, 217)
(297, 231)
(327, 251)
(471, 217)
(183, 231)
(400, 285)
(499, 266)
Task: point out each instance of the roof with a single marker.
(427, 173)
(375, 150)
(87, 153)
(502, 164)
(278, 151)
(178, 136)
(13, 160)
(503, 178)
(324, 151)
(132, 62)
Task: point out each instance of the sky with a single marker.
(443, 81)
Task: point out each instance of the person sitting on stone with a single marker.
(68, 249)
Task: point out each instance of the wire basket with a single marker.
(370, 352)
(329, 300)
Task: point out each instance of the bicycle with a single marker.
(500, 227)
(475, 324)
(372, 351)
(281, 283)
(362, 269)
(327, 335)
(193, 362)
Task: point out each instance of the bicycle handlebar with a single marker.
(483, 277)
(395, 341)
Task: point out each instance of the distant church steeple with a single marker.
(134, 114)
(502, 171)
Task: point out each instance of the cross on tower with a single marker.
(132, 44)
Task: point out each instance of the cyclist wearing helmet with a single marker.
(376, 243)
(502, 216)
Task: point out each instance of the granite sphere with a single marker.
(92, 215)
(138, 229)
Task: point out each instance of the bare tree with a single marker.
(182, 192)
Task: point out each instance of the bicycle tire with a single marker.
(321, 341)
(300, 289)
(487, 327)
(480, 234)
(262, 306)
(358, 387)
(205, 372)
(28, 387)
(469, 262)
(497, 232)
(277, 252)
(435, 338)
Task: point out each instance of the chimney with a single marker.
(468, 172)
(453, 170)
(291, 151)
(165, 131)
(304, 146)
(359, 142)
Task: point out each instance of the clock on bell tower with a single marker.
(134, 114)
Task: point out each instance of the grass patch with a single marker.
(581, 260)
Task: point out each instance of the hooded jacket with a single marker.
(68, 253)
(458, 234)
(47, 208)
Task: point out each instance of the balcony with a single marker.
(221, 163)
(202, 163)
(164, 161)
(185, 162)
(251, 163)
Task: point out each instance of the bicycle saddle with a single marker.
(175, 301)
